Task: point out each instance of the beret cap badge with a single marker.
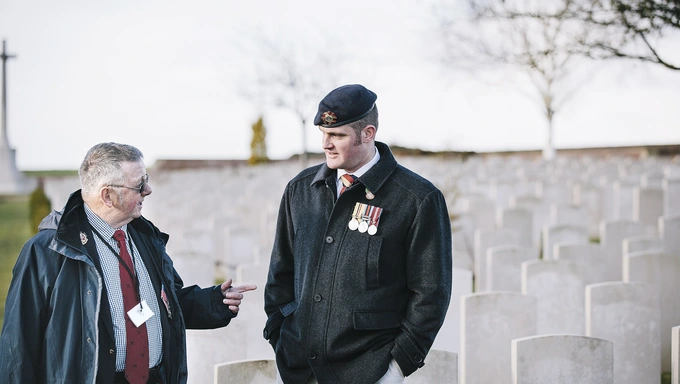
(329, 118)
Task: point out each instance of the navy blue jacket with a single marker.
(58, 327)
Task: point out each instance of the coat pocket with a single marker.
(371, 321)
(288, 308)
(373, 262)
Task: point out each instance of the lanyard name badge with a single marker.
(141, 312)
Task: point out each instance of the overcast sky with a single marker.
(165, 77)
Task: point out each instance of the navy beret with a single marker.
(345, 105)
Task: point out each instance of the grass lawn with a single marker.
(14, 231)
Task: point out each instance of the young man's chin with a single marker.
(333, 163)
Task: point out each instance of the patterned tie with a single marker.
(347, 181)
(137, 350)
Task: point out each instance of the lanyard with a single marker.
(133, 275)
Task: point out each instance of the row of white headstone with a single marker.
(541, 359)
(623, 289)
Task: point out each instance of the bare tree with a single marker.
(629, 29)
(290, 72)
(535, 37)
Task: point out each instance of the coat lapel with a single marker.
(105, 309)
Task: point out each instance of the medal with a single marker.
(83, 238)
(369, 195)
(366, 214)
(372, 229)
(354, 223)
(375, 218)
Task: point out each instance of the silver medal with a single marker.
(363, 226)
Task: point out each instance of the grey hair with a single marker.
(370, 119)
(101, 165)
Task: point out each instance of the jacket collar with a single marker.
(70, 223)
(72, 220)
(374, 178)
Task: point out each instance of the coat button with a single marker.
(317, 297)
(329, 239)
(89, 292)
(111, 352)
(311, 355)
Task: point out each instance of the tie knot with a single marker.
(119, 235)
(347, 179)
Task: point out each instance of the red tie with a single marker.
(137, 351)
(347, 181)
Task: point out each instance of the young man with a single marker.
(360, 273)
(94, 297)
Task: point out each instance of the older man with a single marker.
(360, 273)
(94, 297)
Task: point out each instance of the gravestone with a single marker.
(569, 215)
(462, 249)
(536, 207)
(662, 271)
(652, 179)
(558, 287)
(669, 228)
(562, 234)
(675, 369)
(205, 348)
(623, 199)
(627, 315)
(588, 254)
(489, 323)
(642, 243)
(504, 266)
(647, 205)
(482, 212)
(246, 372)
(485, 239)
(563, 359)
(612, 234)
(440, 367)
(671, 198)
(519, 219)
(590, 197)
(448, 337)
(560, 192)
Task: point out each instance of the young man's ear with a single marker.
(367, 134)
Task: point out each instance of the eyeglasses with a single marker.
(140, 188)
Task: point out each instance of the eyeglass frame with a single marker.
(141, 188)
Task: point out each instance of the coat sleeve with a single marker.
(26, 313)
(429, 278)
(280, 289)
(202, 308)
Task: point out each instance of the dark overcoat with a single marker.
(340, 303)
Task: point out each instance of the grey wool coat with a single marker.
(340, 303)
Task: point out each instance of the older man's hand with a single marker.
(234, 295)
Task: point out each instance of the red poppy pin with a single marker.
(329, 118)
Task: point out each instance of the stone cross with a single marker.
(4, 56)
